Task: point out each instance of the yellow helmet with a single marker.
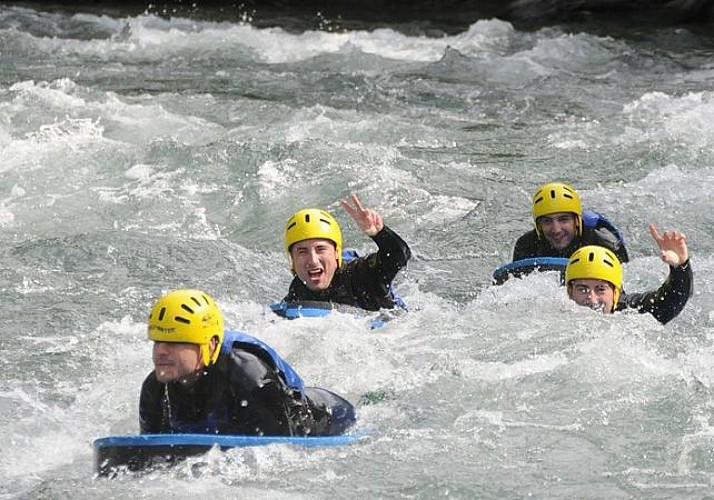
(313, 223)
(594, 262)
(557, 197)
(189, 316)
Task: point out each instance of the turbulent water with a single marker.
(140, 154)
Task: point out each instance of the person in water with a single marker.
(209, 381)
(560, 227)
(313, 241)
(594, 279)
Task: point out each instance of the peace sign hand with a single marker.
(368, 219)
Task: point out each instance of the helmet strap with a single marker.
(211, 348)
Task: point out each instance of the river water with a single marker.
(141, 154)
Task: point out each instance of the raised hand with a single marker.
(368, 219)
(672, 244)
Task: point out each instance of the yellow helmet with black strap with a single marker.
(556, 197)
(312, 223)
(593, 262)
(189, 316)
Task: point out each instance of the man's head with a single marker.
(557, 214)
(313, 241)
(187, 329)
(594, 278)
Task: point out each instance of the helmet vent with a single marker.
(325, 221)
(182, 320)
(307, 217)
(162, 313)
(291, 226)
(186, 308)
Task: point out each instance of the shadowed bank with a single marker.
(427, 16)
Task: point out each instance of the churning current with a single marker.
(141, 154)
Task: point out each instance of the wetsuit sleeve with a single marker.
(393, 254)
(525, 246)
(257, 385)
(375, 272)
(151, 419)
(668, 300)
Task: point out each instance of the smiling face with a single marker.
(593, 293)
(176, 360)
(314, 262)
(559, 229)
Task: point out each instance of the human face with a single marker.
(176, 361)
(596, 294)
(559, 229)
(314, 262)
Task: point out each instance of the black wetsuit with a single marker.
(668, 300)
(362, 282)
(529, 245)
(242, 393)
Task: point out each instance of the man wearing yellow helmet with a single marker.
(313, 241)
(561, 226)
(594, 279)
(207, 380)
